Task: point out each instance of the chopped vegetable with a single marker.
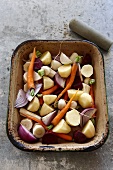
(37, 64)
(64, 59)
(27, 123)
(25, 135)
(72, 77)
(87, 70)
(63, 111)
(49, 138)
(59, 80)
(21, 99)
(38, 130)
(61, 104)
(73, 117)
(49, 117)
(51, 90)
(30, 80)
(89, 129)
(79, 137)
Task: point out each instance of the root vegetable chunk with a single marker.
(85, 100)
(73, 117)
(89, 129)
(64, 70)
(71, 92)
(34, 105)
(45, 109)
(48, 99)
(62, 127)
(46, 58)
(47, 83)
(87, 70)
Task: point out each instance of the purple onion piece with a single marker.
(21, 99)
(26, 135)
(37, 89)
(86, 114)
(59, 80)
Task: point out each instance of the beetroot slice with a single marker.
(86, 59)
(49, 138)
(37, 64)
(79, 137)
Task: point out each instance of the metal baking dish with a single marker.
(16, 82)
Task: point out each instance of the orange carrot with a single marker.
(64, 136)
(66, 94)
(51, 90)
(41, 100)
(63, 111)
(30, 80)
(92, 95)
(72, 77)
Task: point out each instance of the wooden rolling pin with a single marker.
(90, 34)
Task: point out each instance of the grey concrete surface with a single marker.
(48, 19)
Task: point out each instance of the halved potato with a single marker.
(62, 127)
(34, 105)
(46, 58)
(48, 99)
(64, 70)
(71, 92)
(47, 82)
(89, 129)
(45, 109)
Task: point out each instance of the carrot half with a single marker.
(72, 77)
(64, 136)
(63, 111)
(30, 80)
(51, 90)
(92, 95)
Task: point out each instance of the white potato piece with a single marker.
(73, 56)
(36, 76)
(89, 129)
(85, 100)
(38, 130)
(87, 70)
(27, 123)
(62, 127)
(47, 82)
(73, 117)
(46, 58)
(55, 65)
(64, 59)
(86, 88)
(71, 92)
(26, 66)
(48, 99)
(64, 70)
(34, 105)
(45, 109)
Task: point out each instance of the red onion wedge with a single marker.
(26, 135)
(59, 80)
(37, 89)
(21, 99)
(86, 114)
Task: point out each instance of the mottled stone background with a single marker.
(48, 19)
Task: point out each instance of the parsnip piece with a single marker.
(38, 130)
(25, 87)
(73, 117)
(28, 123)
(87, 70)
